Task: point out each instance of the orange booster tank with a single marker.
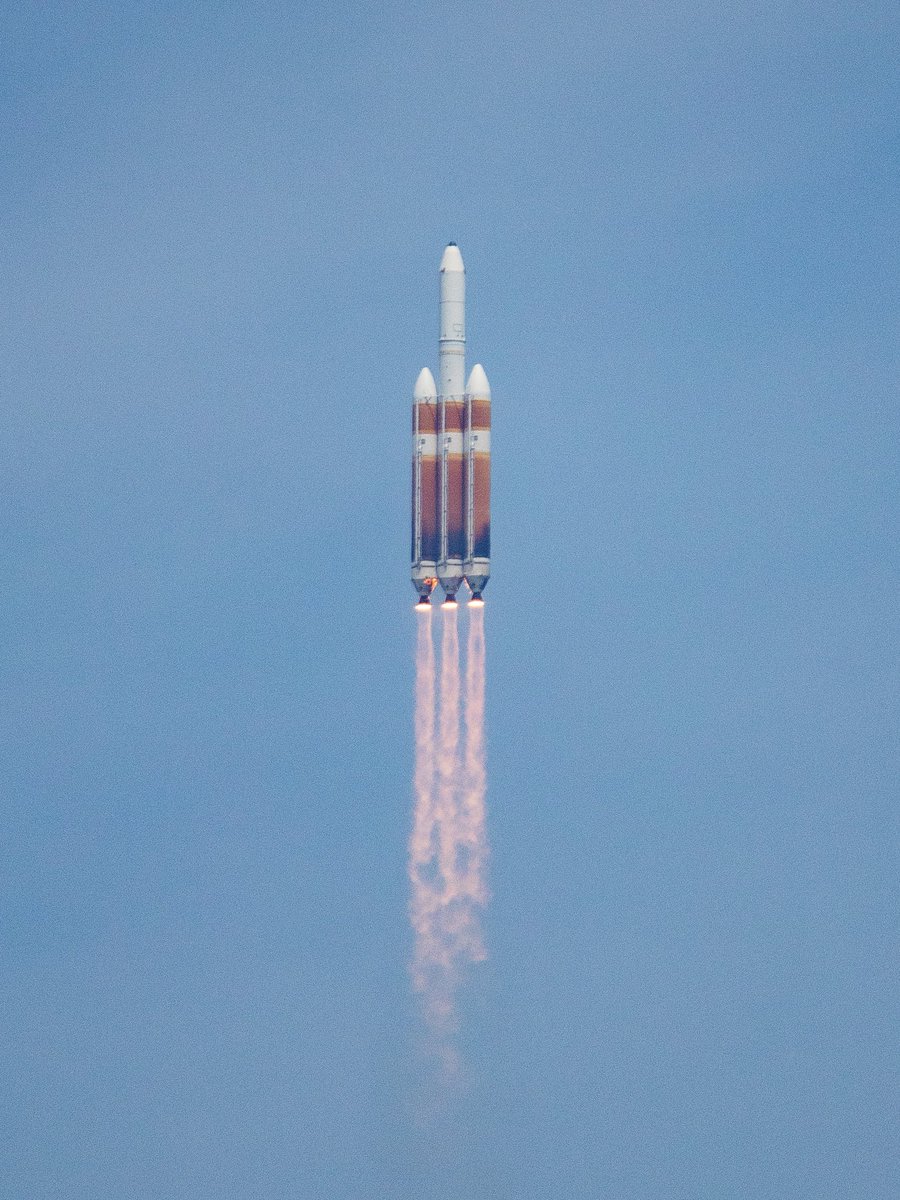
(425, 509)
(477, 482)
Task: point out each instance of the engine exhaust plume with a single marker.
(421, 843)
(448, 845)
(475, 776)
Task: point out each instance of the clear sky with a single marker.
(221, 230)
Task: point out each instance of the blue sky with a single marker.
(222, 225)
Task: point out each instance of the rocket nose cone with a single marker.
(452, 260)
(478, 382)
(425, 388)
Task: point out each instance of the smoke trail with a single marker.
(423, 902)
(448, 846)
(443, 949)
(475, 773)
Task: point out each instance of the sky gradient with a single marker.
(222, 227)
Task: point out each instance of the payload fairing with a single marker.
(451, 464)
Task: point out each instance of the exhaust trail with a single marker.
(475, 775)
(424, 899)
(448, 845)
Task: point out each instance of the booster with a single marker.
(477, 482)
(425, 516)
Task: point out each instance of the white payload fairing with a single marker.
(451, 467)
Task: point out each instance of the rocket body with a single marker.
(451, 456)
(451, 402)
(452, 339)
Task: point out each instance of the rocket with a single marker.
(451, 457)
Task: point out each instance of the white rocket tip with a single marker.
(452, 260)
(425, 388)
(478, 382)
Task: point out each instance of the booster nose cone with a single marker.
(452, 259)
(425, 388)
(478, 383)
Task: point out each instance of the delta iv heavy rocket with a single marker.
(451, 462)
